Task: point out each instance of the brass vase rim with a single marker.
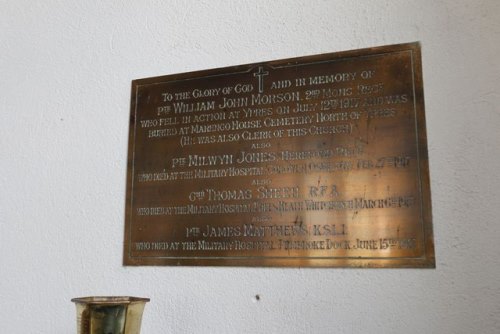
(109, 300)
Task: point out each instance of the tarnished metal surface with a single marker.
(109, 315)
(318, 161)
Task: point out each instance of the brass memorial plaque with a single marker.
(318, 161)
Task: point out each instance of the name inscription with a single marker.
(313, 161)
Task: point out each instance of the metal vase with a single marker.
(109, 315)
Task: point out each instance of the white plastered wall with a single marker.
(65, 72)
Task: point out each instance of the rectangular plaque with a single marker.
(319, 161)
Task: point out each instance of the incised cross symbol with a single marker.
(260, 74)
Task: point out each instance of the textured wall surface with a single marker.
(65, 72)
